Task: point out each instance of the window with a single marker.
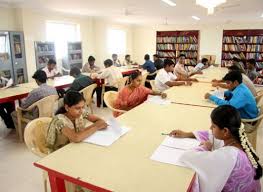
(116, 41)
(61, 34)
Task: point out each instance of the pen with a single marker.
(165, 134)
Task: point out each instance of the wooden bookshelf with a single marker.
(243, 44)
(170, 44)
(44, 52)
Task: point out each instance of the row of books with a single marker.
(244, 39)
(226, 63)
(190, 47)
(232, 55)
(180, 39)
(177, 53)
(255, 48)
(233, 47)
(257, 56)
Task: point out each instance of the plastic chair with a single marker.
(152, 83)
(45, 108)
(259, 95)
(87, 94)
(35, 139)
(109, 99)
(144, 77)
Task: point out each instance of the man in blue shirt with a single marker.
(238, 95)
(148, 65)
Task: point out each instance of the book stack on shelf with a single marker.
(44, 51)
(75, 54)
(242, 44)
(170, 44)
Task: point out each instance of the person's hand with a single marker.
(215, 84)
(214, 80)
(207, 95)
(207, 145)
(163, 95)
(178, 134)
(194, 79)
(189, 83)
(102, 125)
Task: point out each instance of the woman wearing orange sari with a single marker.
(133, 94)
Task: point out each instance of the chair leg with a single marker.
(20, 131)
(102, 95)
(45, 180)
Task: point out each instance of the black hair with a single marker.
(71, 98)
(126, 56)
(168, 62)
(51, 61)
(134, 75)
(155, 55)
(204, 60)
(108, 62)
(235, 68)
(226, 116)
(74, 71)
(40, 75)
(114, 55)
(233, 76)
(182, 55)
(252, 61)
(236, 59)
(91, 58)
(147, 57)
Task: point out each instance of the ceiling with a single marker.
(150, 11)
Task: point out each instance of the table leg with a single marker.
(56, 184)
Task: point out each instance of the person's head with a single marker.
(251, 64)
(91, 60)
(108, 63)
(235, 60)
(234, 68)
(233, 79)
(74, 104)
(127, 57)
(114, 57)
(155, 57)
(135, 79)
(147, 57)
(181, 59)
(74, 72)
(40, 77)
(51, 64)
(168, 65)
(204, 61)
(226, 126)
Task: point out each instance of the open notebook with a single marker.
(171, 149)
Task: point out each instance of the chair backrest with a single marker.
(122, 82)
(35, 135)
(47, 105)
(87, 93)
(144, 77)
(259, 96)
(109, 99)
(152, 83)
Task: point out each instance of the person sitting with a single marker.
(70, 123)
(225, 152)
(128, 61)
(158, 63)
(133, 94)
(251, 69)
(238, 95)
(148, 65)
(166, 79)
(116, 61)
(203, 65)
(35, 95)
(51, 69)
(111, 74)
(90, 66)
(81, 81)
(237, 62)
(246, 81)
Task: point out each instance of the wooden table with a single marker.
(211, 73)
(126, 166)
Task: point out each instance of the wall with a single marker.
(8, 19)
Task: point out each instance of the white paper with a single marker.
(180, 143)
(158, 100)
(109, 135)
(219, 94)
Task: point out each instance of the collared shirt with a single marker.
(111, 75)
(51, 73)
(199, 67)
(127, 63)
(149, 66)
(240, 98)
(158, 64)
(117, 63)
(252, 74)
(42, 91)
(87, 69)
(162, 78)
(180, 70)
(80, 82)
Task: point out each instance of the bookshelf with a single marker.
(170, 44)
(44, 51)
(75, 54)
(243, 44)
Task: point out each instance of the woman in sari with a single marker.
(133, 94)
(225, 160)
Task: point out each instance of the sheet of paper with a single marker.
(109, 135)
(218, 93)
(158, 100)
(180, 143)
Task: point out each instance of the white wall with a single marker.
(8, 19)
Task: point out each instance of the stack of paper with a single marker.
(171, 149)
(219, 94)
(109, 135)
(158, 100)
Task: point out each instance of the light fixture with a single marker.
(210, 4)
(169, 2)
(196, 18)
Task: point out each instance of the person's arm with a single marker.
(222, 85)
(158, 93)
(31, 98)
(175, 83)
(181, 134)
(105, 74)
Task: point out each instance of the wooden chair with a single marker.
(152, 83)
(144, 77)
(109, 99)
(35, 139)
(252, 125)
(87, 94)
(45, 107)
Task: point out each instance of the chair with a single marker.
(151, 75)
(35, 139)
(252, 125)
(45, 108)
(259, 95)
(87, 94)
(144, 77)
(152, 83)
(109, 99)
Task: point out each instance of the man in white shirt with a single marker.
(116, 61)
(203, 65)
(166, 79)
(51, 69)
